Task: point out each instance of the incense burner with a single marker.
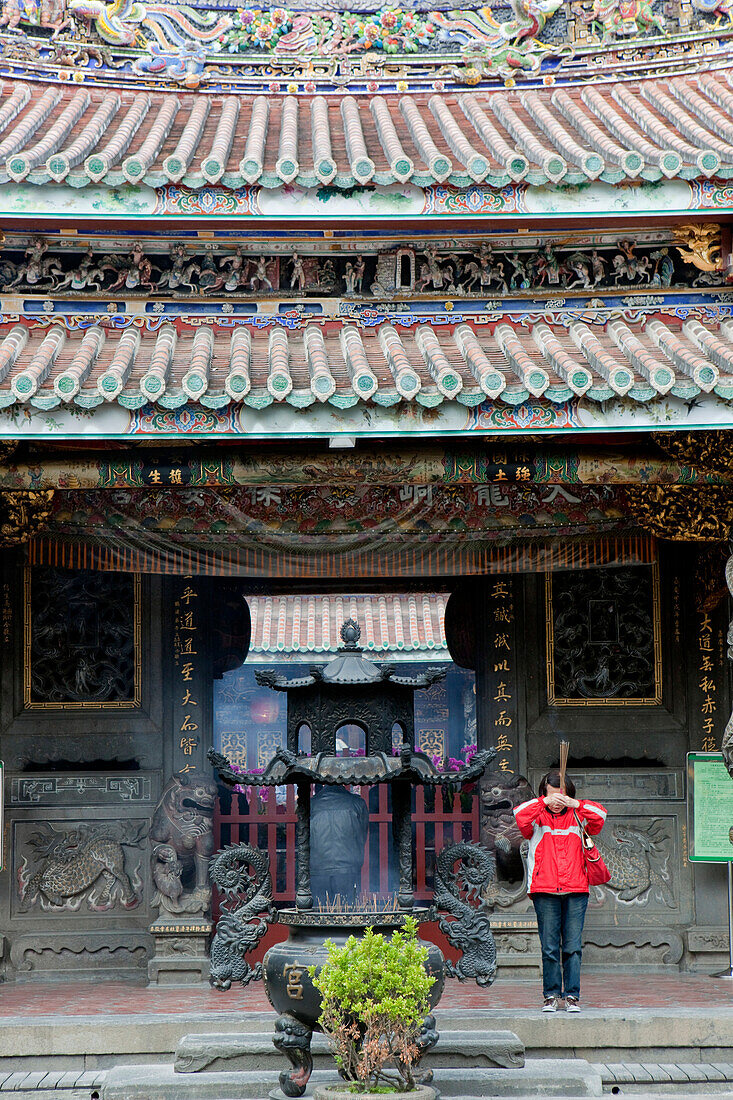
(349, 690)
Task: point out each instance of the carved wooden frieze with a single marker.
(604, 637)
(81, 639)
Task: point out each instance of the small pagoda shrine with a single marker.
(350, 689)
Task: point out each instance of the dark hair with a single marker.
(552, 779)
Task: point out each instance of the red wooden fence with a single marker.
(439, 818)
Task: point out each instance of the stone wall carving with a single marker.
(79, 867)
(639, 861)
(61, 951)
(627, 945)
(38, 752)
(60, 790)
(182, 840)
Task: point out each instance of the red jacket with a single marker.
(555, 862)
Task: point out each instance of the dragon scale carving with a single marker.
(242, 873)
(460, 893)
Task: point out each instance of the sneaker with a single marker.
(550, 1004)
(572, 1004)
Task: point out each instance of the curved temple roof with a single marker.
(286, 767)
(681, 127)
(586, 354)
(413, 625)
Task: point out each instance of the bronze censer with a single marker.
(350, 689)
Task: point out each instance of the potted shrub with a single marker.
(375, 997)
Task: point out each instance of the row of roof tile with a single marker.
(682, 127)
(345, 365)
(311, 624)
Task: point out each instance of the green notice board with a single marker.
(709, 808)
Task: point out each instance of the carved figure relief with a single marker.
(454, 271)
(67, 869)
(182, 838)
(459, 892)
(82, 634)
(500, 794)
(603, 636)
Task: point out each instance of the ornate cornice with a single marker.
(23, 514)
(708, 451)
(681, 513)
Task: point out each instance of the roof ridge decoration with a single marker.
(136, 41)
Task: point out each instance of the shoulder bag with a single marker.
(595, 868)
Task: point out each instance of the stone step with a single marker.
(549, 1077)
(75, 1043)
(650, 1078)
(233, 1051)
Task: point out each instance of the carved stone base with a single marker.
(181, 945)
(517, 946)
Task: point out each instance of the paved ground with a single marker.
(663, 992)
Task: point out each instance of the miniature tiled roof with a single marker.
(650, 130)
(311, 624)
(47, 366)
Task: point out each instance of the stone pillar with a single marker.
(181, 834)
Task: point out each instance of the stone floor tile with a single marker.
(618, 1072)
(33, 1079)
(600, 991)
(89, 1079)
(658, 1073)
(637, 1072)
(711, 1073)
(691, 1070)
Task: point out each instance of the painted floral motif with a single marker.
(512, 43)
(393, 31)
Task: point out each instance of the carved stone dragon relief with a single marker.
(84, 866)
(639, 862)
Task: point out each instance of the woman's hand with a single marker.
(559, 801)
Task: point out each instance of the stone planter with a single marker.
(340, 1092)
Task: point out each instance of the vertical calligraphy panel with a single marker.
(190, 678)
(707, 663)
(497, 707)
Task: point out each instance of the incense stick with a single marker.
(564, 750)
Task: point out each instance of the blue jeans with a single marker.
(560, 924)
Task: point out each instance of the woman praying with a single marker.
(558, 881)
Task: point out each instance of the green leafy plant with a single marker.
(374, 999)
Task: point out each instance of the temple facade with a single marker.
(412, 315)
